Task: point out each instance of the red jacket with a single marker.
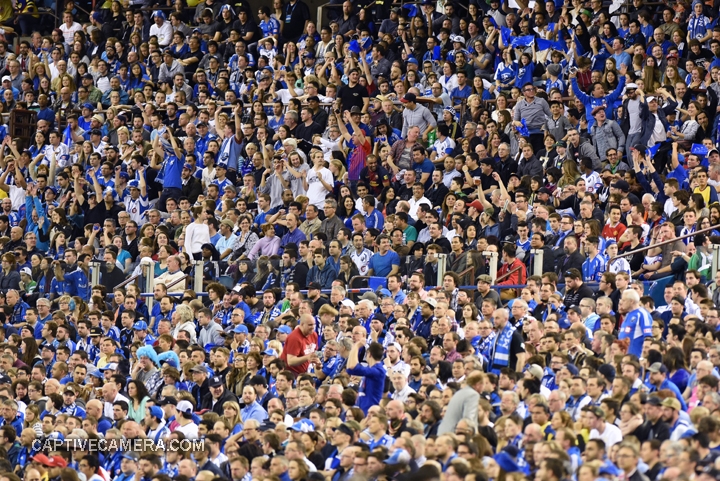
(516, 278)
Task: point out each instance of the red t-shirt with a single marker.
(299, 345)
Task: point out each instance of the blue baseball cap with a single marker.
(241, 329)
(303, 426)
(134, 184)
(140, 326)
(187, 166)
(285, 329)
(270, 352)
(156, 412)
(88, 105)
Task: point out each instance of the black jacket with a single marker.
(9, 281)
(548, 264)
(192, 189)
(573, 296)
(207, 401)
(565, 262)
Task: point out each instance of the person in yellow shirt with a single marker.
(707, 191)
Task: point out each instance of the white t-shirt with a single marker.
(195, 236)
(189, 430)
(69, 32)
(316, 190)
(611, 436)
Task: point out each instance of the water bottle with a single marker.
(432, 136)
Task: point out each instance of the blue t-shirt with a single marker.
(173, 170)
(426, 166)
(373, 384)
(76, 284)
(505, 73)
(382, 265)
(525, 74)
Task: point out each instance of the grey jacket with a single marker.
(463, 405)
(585, 149)
(608, 136)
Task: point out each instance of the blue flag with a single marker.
(506, 35)
(367, 43)
(354, 47)
(67, 136)
(412, 10)
(523, 131)
(524, 41)
(542, 44)
(651, 151)
(699, 149)
(436, 53)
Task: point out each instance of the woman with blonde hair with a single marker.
(32, 419)
(276, 345)
(337, 168)
(231, 415)
(570, 173)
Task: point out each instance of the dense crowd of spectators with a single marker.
(287, 162)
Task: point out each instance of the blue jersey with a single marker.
(385, 441)
(636, 326)
(77, 284)
(375, 220)
(172, 175)
(592, 269)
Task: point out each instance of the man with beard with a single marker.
(417, 364)
(659, 381)
(537, 242)
(395, 411)
(671, 408)
(654, 426)
(430, 416)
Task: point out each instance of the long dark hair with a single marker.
(142, 391)
(31, 351)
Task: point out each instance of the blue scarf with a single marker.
(697, 26)
(501, 354)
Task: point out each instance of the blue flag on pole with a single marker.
(354, 47)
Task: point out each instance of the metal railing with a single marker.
(716, 248)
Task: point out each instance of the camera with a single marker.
(572, 69)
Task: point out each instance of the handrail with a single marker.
(177, 281)
(127, 281)
(508, 273)
(663, 243)
(461, 274)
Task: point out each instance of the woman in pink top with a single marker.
(268, 245)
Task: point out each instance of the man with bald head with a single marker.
(395, 411)
(95, 408)
(188, 468)
(301, 346)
